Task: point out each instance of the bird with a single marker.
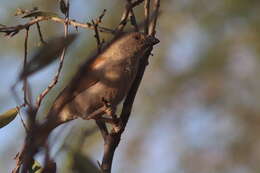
(102, 82)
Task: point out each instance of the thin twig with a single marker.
(124, 18)
(96, 35)
(25, 82)
(56, 77)
(18, 163)
(18, 156)
(152, 26)
(21, 118)
(15, 29)
(146, 15)
(99, 19)
(132, 18)
(30, 148)
(55, 81)
(128, 7)
(40, 33)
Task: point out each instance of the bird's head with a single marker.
(134, 43)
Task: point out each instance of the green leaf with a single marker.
(36, 167)
(8, 116)
(1, 25)
(81, 163)
(63, 7)
(47, 54)
(40, 13)
(20, 11)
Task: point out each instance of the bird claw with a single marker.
(96, 114)
(117, 126)
(108, 109)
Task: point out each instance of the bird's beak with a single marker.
(152, 40)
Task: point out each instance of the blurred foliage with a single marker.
(198, 106)
(36, 168)
(8, 116)
(47, 54)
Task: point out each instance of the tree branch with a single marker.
(57, 75)
(146, 15)
(152, 26)
(113, 138)
(25, 82)
(15, 29)
(128, 7)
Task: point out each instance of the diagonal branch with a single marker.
(112, 140)
(40, 33)
(132, 18)
(57, 75)
(128, 8)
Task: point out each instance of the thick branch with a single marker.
(112, 140)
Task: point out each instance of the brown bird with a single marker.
(102, 82)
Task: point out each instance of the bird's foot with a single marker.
(107, 108)
(115, 123)
(117, 126)
(110, 110)
(96, 114)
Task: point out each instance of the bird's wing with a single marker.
(88, 75)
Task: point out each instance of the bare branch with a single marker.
(96, 35)
(132, 17)
(146, 15)
(99, 19)
(152, 26)
(25, 82)
(56, 77)
(40, 33)
(15, 29)
(18, 163)
(128, 7)
(21, 118)
(103, 128)
(113, 138)
(124, 17)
